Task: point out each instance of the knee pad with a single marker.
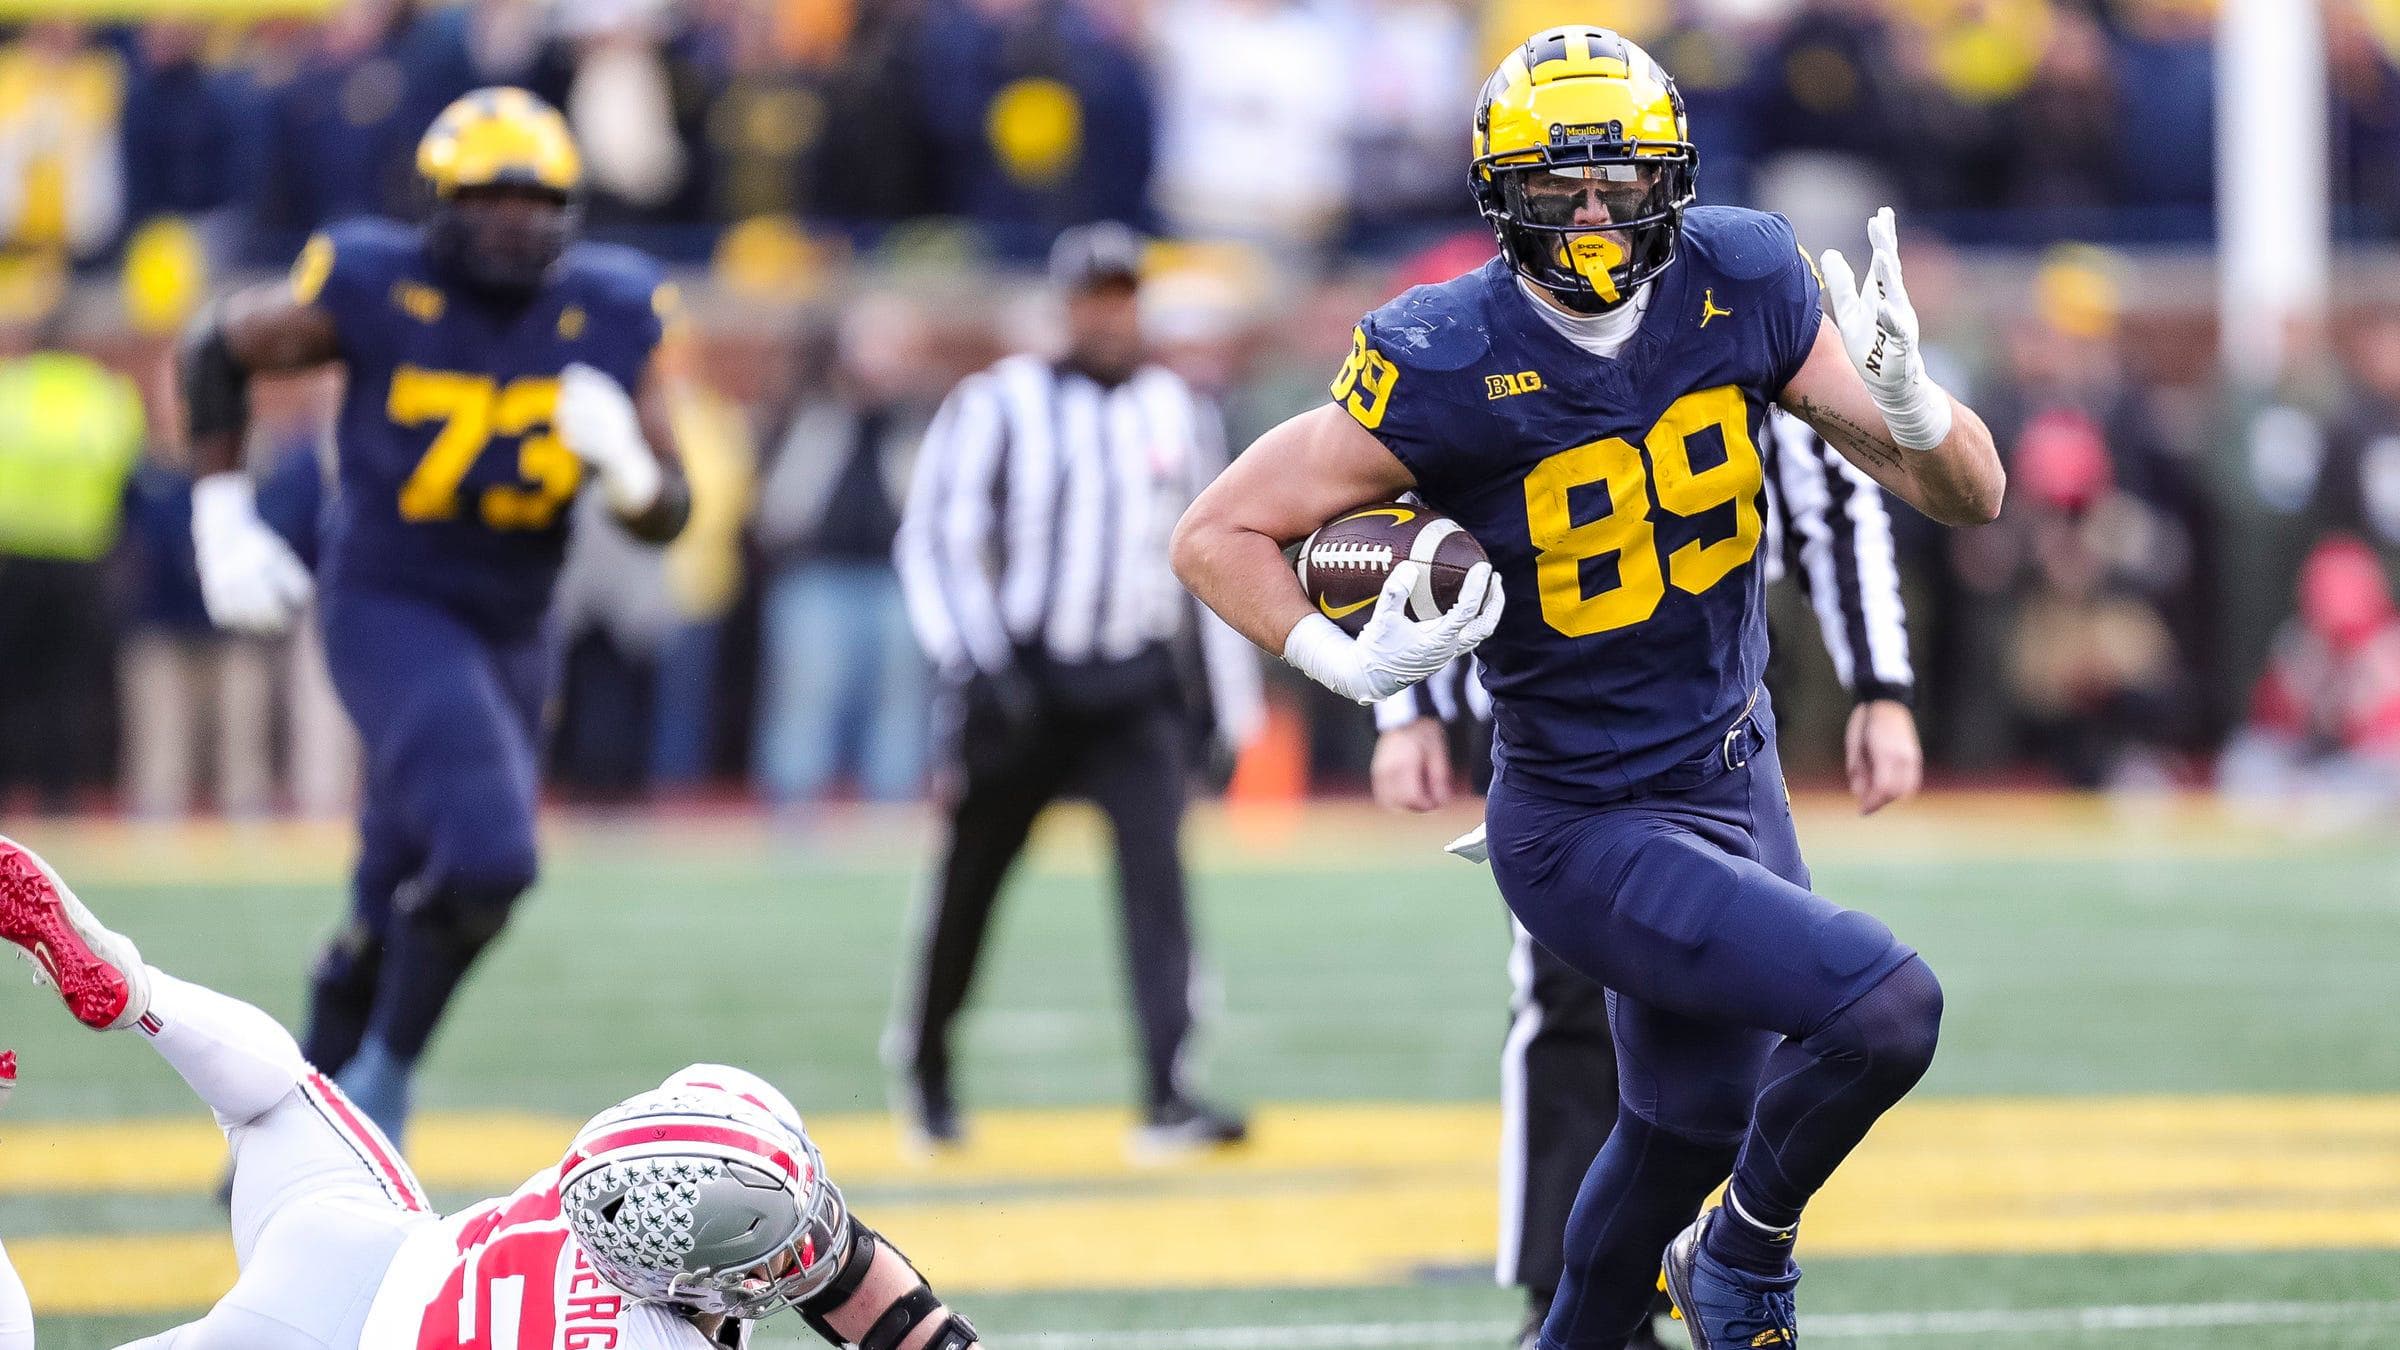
(464, 916)
(1892, 1028)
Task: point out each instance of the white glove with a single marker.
(597, 421)
(1472, 846)
(1395, 651)
(250, 579)
(1879, 326)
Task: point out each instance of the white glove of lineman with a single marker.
(250, 579)
(1879, 326)
(597, 421)
(1395, 651)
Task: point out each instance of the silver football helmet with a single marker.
(707, 1197)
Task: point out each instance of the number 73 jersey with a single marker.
(1620, 499)
(454, 483)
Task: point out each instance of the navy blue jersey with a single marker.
(1619, 499)
(453, 485)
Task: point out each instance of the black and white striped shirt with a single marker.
(1827, 525)
(1039, 517)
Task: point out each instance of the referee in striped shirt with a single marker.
(1825, 524)
(1033, 555)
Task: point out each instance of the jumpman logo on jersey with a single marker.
(1708, 307)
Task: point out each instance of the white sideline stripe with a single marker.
(1834, 1326)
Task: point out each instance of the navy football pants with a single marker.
(1693, 908)
(449, 721)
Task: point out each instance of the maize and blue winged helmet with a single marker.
(1583, 164)
(507, 186)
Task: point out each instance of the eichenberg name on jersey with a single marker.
(593, 1308)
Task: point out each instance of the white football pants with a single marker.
(321, 1200)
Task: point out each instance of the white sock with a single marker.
(16, 1310)
(239, 1060)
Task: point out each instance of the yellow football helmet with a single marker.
(497, 137)
(507, 180)
(1583, 164)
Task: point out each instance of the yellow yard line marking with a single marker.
(2001, 1146)
(95, 1276)
(1357, 1236)
(1367, 1194)
(1009, 1147)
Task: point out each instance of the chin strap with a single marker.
(906, 1314)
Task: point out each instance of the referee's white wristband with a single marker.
(1398, 710)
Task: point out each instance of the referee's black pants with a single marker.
(1116, 737)
(1558, 1100)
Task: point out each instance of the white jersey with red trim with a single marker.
(507, 1274)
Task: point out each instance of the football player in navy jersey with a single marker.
(493, 367)
(1588, 405)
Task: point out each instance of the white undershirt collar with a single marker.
(1603, 335)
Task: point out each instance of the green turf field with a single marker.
(2167, 1110)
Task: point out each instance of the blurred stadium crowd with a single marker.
(854, 190)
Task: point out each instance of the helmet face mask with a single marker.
(1569, 196)
(1583, 165)
(802, 1260)
(504, 238)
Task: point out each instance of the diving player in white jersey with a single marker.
(676, 1219)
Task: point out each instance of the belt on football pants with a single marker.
(1731, 751)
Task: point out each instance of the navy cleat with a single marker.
(1724, 1308)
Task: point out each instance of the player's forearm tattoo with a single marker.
(1850, 434)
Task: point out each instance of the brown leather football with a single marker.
(1344, 564)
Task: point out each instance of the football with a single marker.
(1343, 565)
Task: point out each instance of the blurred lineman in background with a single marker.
(1827, 526)
(1033, 553)
(489, 361)
(676, 1218)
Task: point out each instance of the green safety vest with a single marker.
(70, 430)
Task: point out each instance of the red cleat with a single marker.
(8, 1074)
(97, 972)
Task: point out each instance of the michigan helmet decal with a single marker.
(499, 137)
(1583, 164)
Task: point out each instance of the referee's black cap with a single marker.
(1087, 257)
